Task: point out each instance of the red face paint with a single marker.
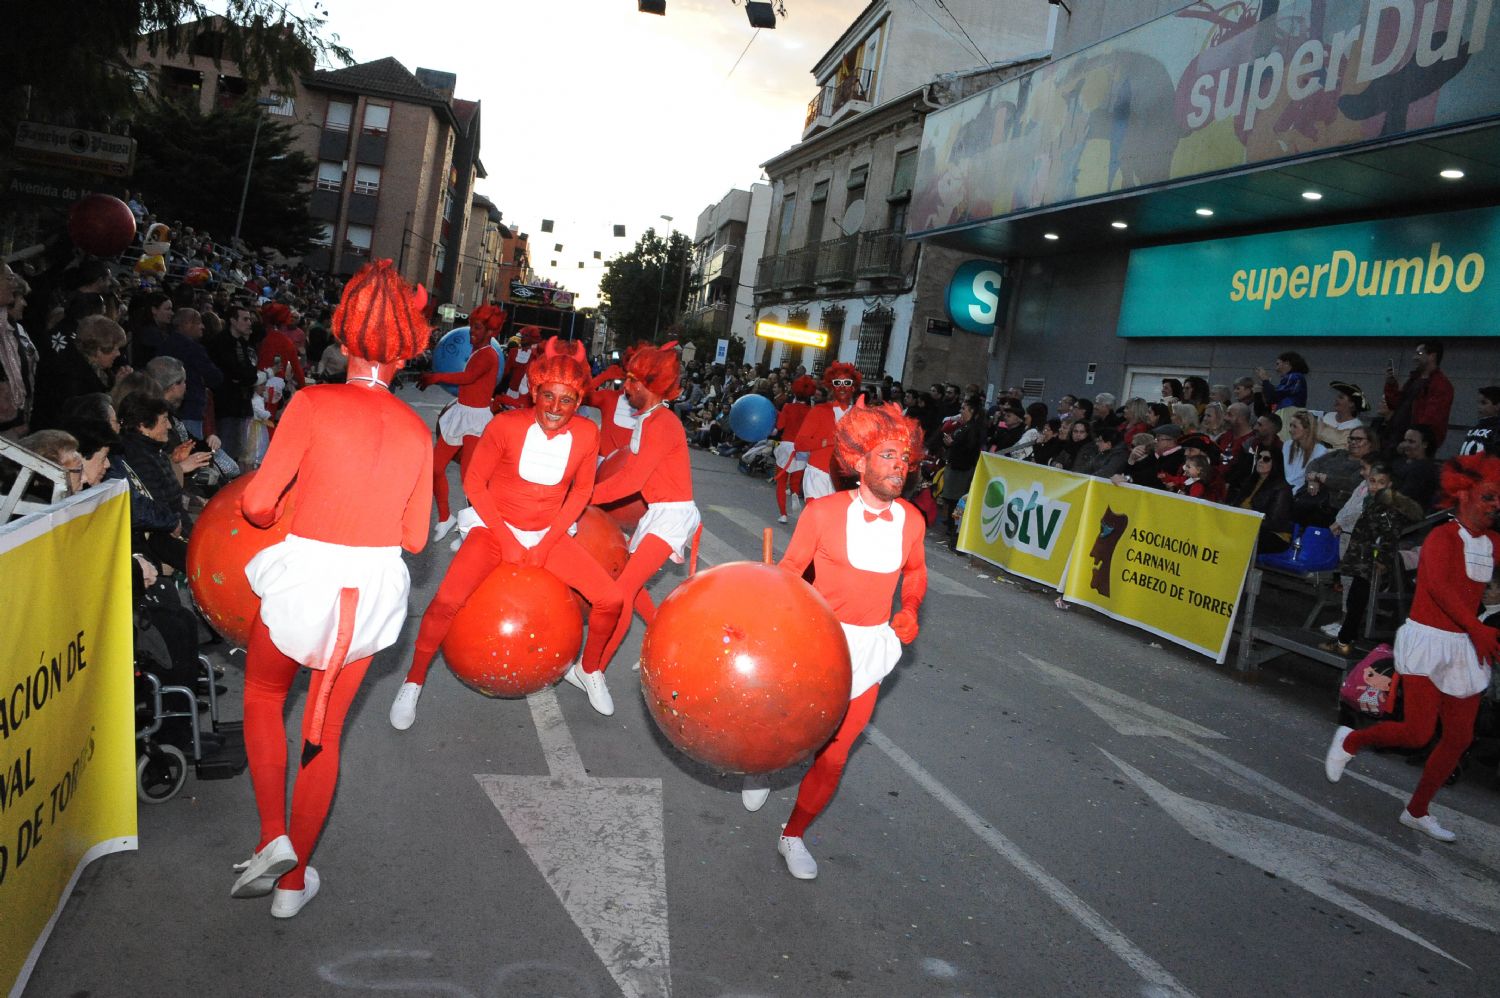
(555, 405)
(883, 471)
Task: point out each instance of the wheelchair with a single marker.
(161, 765)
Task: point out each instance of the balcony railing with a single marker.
(858, 85)
(818, 107)
(869, 256)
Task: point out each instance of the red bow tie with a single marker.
(884, 514)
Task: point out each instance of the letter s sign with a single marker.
(976, 296)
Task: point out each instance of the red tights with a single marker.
(268, 679)
(644, 562)
(822, 779)
(1425, 706)
(442, 454)
(478, 557)
(783, 481)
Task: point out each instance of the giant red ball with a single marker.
(100, 224)
(517, 633)
(745, 668)
(600, 536)
(222, 544)
(626, 512)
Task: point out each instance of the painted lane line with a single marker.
(600, 845)
(1097, 925)
(1086, 690)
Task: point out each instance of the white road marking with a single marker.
(599, 844)
(1148, 720)
(1314, 862)
(1116, 941)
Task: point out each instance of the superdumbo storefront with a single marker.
(1226, 181)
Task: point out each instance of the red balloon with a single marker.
(601, 537)
(745, 668)
(626, 512)
(222, 544)
(517, 634)
(100, 224)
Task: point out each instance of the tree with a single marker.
(645, 290)
(66, 59)
(192, 168)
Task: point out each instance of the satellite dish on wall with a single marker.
(854, 217)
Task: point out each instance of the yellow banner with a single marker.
(1023, 517)
(1169, 564)
(67, 711)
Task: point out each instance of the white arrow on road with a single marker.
(598, 842)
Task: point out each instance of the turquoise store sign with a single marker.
(975, 296)
(1429, 275)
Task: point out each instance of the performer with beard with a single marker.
(816, 437)
(862, 543)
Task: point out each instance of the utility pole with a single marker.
(661, 277)
(260, 116)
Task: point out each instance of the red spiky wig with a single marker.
(839, 369)
(804, 387)
(864, 428)
(560, 363)
(275, 313)
(658, 368)
(530, 335)
(632, 350)
(380, 316)
(488, 319)
(1462, 474)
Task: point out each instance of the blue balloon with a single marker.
(752, 418)
(452, 354)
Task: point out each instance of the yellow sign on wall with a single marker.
(67, 711)
(1023, 517)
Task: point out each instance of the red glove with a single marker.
(1487, 644)
(426, 381)
(904, 623)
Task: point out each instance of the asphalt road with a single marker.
(1047, 803)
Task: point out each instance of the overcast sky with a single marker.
(595, 114)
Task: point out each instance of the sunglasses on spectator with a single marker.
(1263, 457)
(842, 382)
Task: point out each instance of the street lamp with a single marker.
(661, 273)
(250, 166)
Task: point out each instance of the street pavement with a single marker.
(1047, 803)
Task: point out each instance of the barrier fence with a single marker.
(67, 711)
(1163, 562)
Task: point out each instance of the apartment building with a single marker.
(477, 273)
(727, 243)
(836, 258)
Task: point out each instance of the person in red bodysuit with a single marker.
(278, 346)
(462, 422)
(817, 434)
(515, 392)
(862, 543)
(790, 462)
(655, 464)
(334, 592)
(617, 418)
(529, 479)
(1443, 652)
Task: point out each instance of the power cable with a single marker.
(742, 54)
(941, 26)
(964, 30)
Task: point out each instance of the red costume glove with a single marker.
(426, 381)
(904, 623)
(1486, 644)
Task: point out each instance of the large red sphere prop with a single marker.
(745, 668)
(517, 634)
(626, 512)
(601, 537)
(222, 544)
(100, 224)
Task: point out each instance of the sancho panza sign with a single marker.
(1430, 275)
(1214, 86)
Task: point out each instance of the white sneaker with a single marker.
(258, 874)
(1336, 758)
(592, 683)
(443, 527)
(1427, 824)
(635, 666)
(404, 710)
(781, 518)
(755, 791)
(794, 503)
(799, 862)
(458, 542)
(1331, 629)
(285, 904)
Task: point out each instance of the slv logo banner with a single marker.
(1020, 516)
(1171, 565)
(1421, 276)
(67, 711)
(976, 297)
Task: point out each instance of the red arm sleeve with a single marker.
(611, 373)
(478, 366)
(914, 570)
(414, 519)
(1449, 563)
(262, 499)
(579, 491)
(799, 553)
(637, 468)
(809, 434)
(481, 469)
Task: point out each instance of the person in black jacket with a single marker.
(82, 369)
(1267, 492)
(963, 444)
(234, 353)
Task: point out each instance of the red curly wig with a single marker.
(1462, 474)
(658, 368)
(864, 428)
(632, 350)
(380, 316)
(530, 335)
(489, 319)
(804, 387)
(275, 313)
(839, 369)
(560, 363)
